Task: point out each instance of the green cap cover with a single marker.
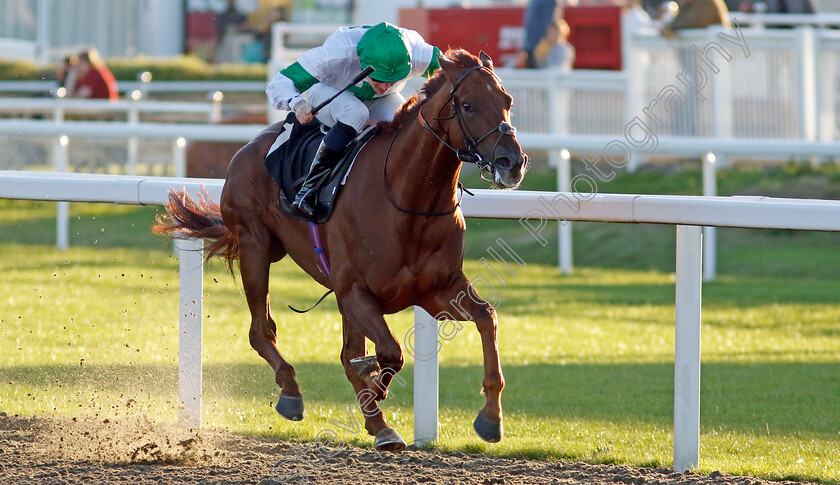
(384, 47)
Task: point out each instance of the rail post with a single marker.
(807, 75)
(687, 348)
(558, 124)
(179, 157)
(825, 85)
(426, 386)
(42, 31)
(133, 143)
(61, 163)
(215, 98)
(564, 228)
(191, 265)
(709, 232)
(133, 119)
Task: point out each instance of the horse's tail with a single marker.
(186, 218)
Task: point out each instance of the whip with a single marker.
(355, 80)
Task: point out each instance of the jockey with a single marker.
(396, 54)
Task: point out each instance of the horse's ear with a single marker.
(485, 59)
(448, 66)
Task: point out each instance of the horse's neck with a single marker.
(426, 178)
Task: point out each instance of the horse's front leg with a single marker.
(363, 318)
(460, 302)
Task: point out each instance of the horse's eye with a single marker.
(466, 107)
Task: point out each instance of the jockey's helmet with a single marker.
(384, 47)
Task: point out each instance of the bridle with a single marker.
(470, 155)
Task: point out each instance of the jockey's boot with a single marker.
(327, 155)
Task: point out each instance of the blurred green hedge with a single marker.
(182, 68)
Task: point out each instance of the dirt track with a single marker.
(89, 451)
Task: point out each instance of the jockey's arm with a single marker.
(425, 56)
(434, 63)
(284, 91)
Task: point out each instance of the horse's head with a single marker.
(479, 126)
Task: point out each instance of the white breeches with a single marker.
(350, 110)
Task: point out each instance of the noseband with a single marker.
(470, 155)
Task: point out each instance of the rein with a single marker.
(412, 211)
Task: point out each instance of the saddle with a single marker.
(289, 158)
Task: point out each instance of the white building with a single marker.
(45, 30)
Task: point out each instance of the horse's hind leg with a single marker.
(257, 252)
(364, 313)
(458, 299)
(354, 347)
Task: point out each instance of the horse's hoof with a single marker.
(290, 408)
(365, 366)
(487, 430)
(388, 440)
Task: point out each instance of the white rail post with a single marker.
(216, 98)
(558, 124)
(709, 232)
(133, 118)
(426, 390)
(722, 101)
(61, 163)
(635, 66)
(687, 348)
(179, 157)
(42, 31)
(806, 86)
(191, 266)
(133, 144)
(564, 229)
(827, 116)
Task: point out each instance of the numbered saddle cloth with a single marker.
(289, 158)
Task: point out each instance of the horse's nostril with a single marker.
(503, 163)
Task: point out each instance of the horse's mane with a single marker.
(408, 111)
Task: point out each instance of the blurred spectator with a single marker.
(538, 15)
(230, 24)
(664, 13)
(554, 50)
(698, 14)
(634, 17)
(738, 5)
(789, 6)
(261, 21)
(94, 79)
(67, 74)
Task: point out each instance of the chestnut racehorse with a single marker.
(395, 238)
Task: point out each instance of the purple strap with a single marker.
(315, 234)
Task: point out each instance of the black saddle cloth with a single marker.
(289, 164)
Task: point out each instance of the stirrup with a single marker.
(301, 204)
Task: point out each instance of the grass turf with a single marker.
(588, 357)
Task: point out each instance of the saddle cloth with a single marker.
(289, 158)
